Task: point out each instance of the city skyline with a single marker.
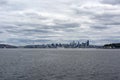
(73, 44)
(44, 21)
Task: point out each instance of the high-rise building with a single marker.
(88, 43)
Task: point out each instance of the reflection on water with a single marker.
(61, 64)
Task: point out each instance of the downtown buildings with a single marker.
(74, 44)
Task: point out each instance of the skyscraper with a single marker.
(87, 43)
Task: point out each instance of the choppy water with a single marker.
(78, 64)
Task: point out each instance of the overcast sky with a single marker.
(46, 21)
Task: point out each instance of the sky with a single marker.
(46, 21)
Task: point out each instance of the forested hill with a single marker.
(113, 45)
(7, 46)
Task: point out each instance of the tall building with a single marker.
(88, 43)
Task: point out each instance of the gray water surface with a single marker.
(59, 64)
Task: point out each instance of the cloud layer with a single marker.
(45, 21)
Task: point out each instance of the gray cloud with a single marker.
(18, 41)
(1, 32)
(3, 2)
(104, 27)
(108, 20)
(37, 32)
(113, 2)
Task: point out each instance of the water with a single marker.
(59, 64)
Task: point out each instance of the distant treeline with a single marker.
(113, 45)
